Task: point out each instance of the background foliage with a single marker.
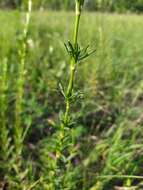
(100, 5)
(109, 120)
(103, 144)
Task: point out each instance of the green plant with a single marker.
(5, 148)
(61, 147)
(19, 131)
(76, 54)
(66, 139)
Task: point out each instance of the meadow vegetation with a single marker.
(103, 143)
(98, 5)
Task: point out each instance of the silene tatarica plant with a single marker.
(61, 148)
(77, 54)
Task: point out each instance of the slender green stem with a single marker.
(78, 14)
(73, 63)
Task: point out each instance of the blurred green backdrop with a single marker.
(98, 5)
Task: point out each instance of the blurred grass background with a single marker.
(109, 117)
